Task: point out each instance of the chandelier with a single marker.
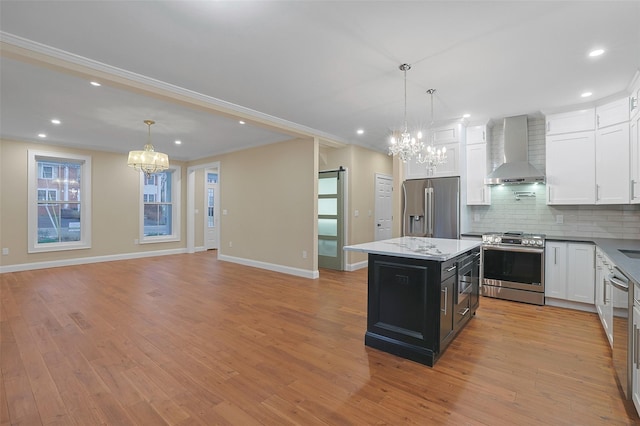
(404, 145)
(148, 161)
(432, 156)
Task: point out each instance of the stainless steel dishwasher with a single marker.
(622, 297)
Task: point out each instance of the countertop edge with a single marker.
(610, 246)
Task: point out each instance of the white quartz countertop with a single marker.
(439, 249)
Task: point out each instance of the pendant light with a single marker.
(432, 156)
(148, 161)
(406, 146)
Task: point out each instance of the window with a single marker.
(59, 201)
(46, 170)
(160, 211)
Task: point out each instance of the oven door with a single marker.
(519, 268)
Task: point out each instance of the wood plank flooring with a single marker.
(190, 340)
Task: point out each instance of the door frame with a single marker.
(216, 201)
(191, 199)
(345, 211)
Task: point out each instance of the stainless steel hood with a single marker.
(516, 167)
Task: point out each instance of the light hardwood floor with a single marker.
(187, 339)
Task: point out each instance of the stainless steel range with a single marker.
(513, 266)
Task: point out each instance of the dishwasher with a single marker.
(622, 297)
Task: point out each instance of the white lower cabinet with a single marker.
(604, 304)
(570, 271)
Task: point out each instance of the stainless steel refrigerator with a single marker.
(431, 207)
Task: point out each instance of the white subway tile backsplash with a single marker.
(532, 214)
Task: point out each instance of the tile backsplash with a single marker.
(531, 214)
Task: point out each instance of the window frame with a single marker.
(176, 182)
(35, 156)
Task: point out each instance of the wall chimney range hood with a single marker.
(516, 167)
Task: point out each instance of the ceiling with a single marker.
(297, 68)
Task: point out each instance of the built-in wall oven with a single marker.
(513, 267)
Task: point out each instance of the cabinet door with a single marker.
(634, 137)
(612, 166)
(446, 309)
(477, 192)
(570, 168)
(476, 134)
(615, 112)
(581, 273)
(555, 275)
(445, 134)
(569, 122)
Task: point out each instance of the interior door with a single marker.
(331, 219)
(384, 207)
(211, 203)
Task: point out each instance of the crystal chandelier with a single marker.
(148, 161)
(404, 145)
(432, 156)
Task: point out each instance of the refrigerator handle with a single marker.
(428, 195)
(404, 210)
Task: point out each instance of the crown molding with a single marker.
(40, 54)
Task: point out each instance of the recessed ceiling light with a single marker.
(55, 121)
(586, 94)
(178, 142)
(360, 131)
(95, 83)
(466, 116)
(42, 135)
(241, 122)
(596, 52)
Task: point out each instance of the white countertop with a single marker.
(439, 249)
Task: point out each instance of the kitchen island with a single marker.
(421, 293)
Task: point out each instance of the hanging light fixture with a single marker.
(404, 145)
(431, 156)
(148, 161)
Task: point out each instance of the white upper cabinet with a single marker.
(569, 122)
(591, 166)
(634, 138)
(449, 137)
(478, 194)
(476, 134)
(612, 167)
(612, 113)
(571, 174)
(634, 142)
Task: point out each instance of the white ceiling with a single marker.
(317, 67)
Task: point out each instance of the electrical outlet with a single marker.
(476, 217)
(135, 241)
(559, 219)
(230, 243)
(356, 213)
(5, 251)
(304, 254)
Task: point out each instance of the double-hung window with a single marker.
(59, 200)
(160, 206)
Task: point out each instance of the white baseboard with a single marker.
(85, 260)
(200, 248)
(561, 303)
(271, 266)
(355, 266)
